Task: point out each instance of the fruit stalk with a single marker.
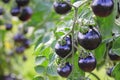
(72, 31)
(95, 76)
(76, 9)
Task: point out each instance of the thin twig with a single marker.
(95, 76)
(73, 26)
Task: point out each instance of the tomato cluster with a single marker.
(19, 41)
(89, 40)
(113, 56)
(22, 11)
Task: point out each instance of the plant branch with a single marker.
(73, 27)
(70, 4)
(66, 57)
(95, 76)
(66, 34)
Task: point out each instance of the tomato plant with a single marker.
(72, 39)
(93, 28)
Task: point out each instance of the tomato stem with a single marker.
(73, 28)
(95, 76)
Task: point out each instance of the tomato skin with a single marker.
(61, 7)
(8, 26)
(15, 11)
(88, 63)
(65, 49)
(26, 14)
(113, 56)
(65, 71)
(22, 2)
(1, 11)
(6, 1)
(102, 8)
(109, 71)
(89, 40)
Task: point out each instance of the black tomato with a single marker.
(1, 11)
(118, 7)
(15, 11)
(65, 71)
(25, 14)
(63, 50)
(102, 8)
(113, 56)
(20, 49)
(61, 7)
(118, 10)
(26, 43)
(8, 26)
(9, 77)
(22, 2)
(89, 40)
(109, 71)
(87, 64)
(19, 37)
(6, 1)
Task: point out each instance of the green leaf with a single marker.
(38, 40)
(46, 52)
(77, 4)
(116, 28)
(116, 51)
(106, 24)
(42, 10)
(46, 37)
(38, 49)
(52, 70)
(52, 58)
(116, 43)
(39, 69)
(38, 78)
(59, 34)
(100, 52)
(67, 29)
(39, 60)
(36, 18)
(77, 72)
(116, 72)
(2, 35)
(39, 32)
(53, 44)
